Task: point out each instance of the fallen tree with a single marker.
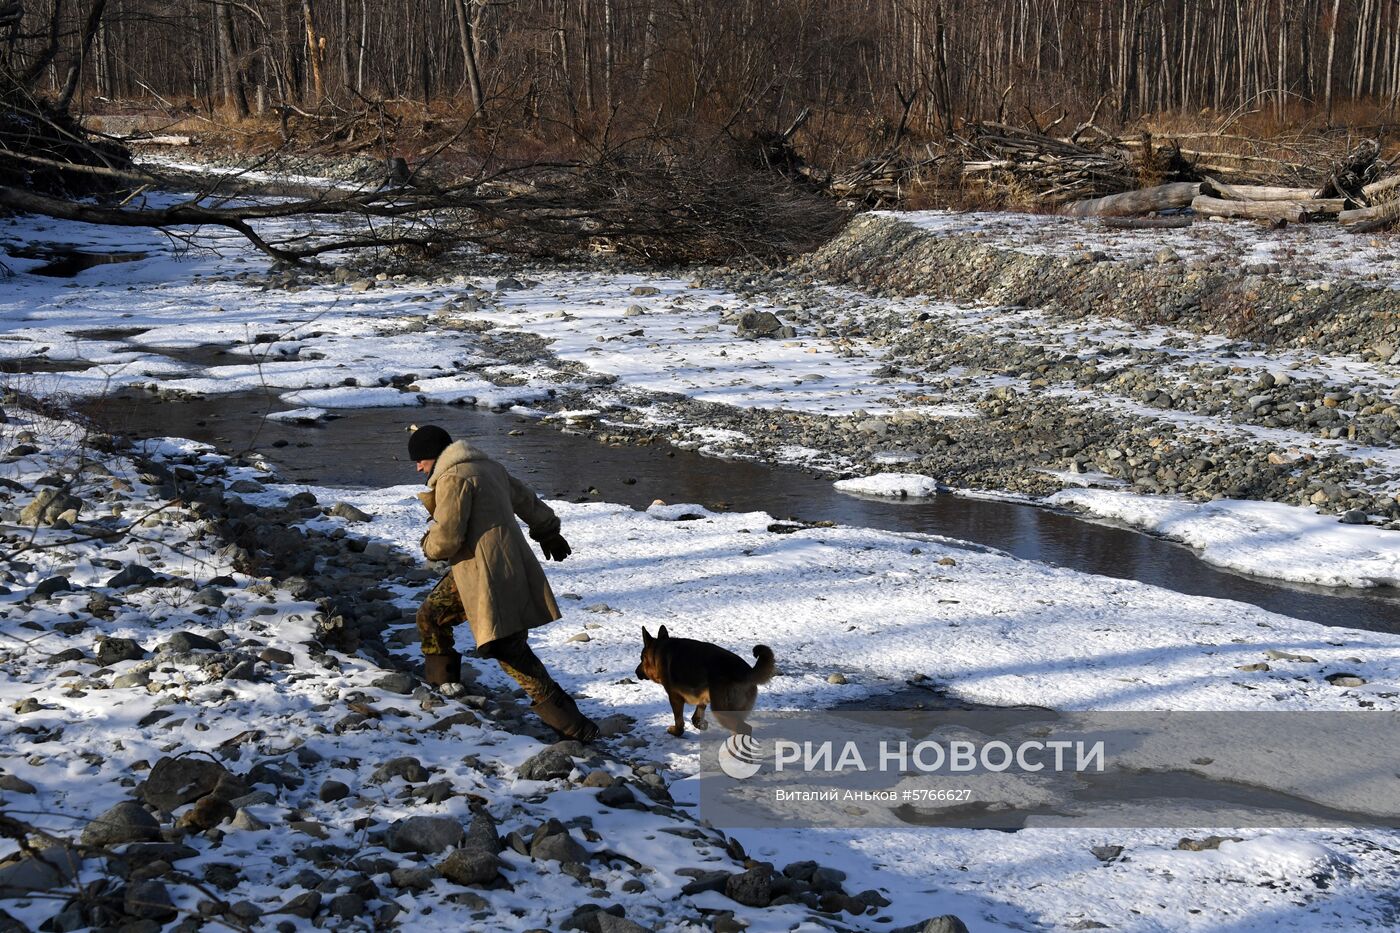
(1135, 203)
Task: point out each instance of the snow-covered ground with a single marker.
(878, 608)
(1332, 252)
(1261, 538)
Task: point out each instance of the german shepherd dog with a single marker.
(703, 674)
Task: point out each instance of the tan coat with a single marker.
(474, 503)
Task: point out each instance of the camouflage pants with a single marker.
(442, 611)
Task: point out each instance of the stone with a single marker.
(400, 683)
(413, 879)
(276, 656)
(755, 324)
(347, 906)
(1273, 654)
(131, 679)
(245, 821)
(618, 796)
(207, 813)
(704, 881)
(148, 900)
(1106, 853)
(752, 888)
(184, 642)
(610, 923)
(944, 924)
(351, 514)
(303, 905)
(116, 650)
(551, 763)
(15, 785)
(552, 842)
(174, 782)
(1346, 680)
(468, 866)
(837, 679)
(47, 506)
(132, 575)
(210, 596)
(332, 791)
(128, 821)
(426, 835)
(277, 772)
(53, 867)
(408, 768)
(53, 585)
(1354, 517)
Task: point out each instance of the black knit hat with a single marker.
(427, 442)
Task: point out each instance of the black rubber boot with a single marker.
(559, 711)
(440, 669)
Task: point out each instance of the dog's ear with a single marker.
(661, 634)
(646, 637)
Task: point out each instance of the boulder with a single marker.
(47, 506)
(174, 782)
(128, 821)
(426, 835)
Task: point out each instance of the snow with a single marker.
(1268, 539)
(1330, 252)
(891, 485)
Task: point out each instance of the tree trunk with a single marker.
(1131, 203)
(1331, 53)
(75, 70)
(234, 94)
(315, 52)
(466, 35)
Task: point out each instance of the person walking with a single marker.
(495, 584)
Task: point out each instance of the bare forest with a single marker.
(572, 68)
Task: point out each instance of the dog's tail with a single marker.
(764, 669)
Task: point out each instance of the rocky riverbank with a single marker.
(212, 720)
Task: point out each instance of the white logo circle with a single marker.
(740, 757)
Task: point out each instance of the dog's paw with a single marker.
(677, 731)
(701, 724)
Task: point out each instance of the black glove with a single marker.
(555, 547)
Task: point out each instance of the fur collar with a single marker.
(457, 453)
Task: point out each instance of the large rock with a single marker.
(759, 324)
(185, 642)
(128, 821)
(148, 900)
(48, 506)
(556, 761)
(753, 888)
(408, 768)
(552, 842)
(475, 861)
(426, 835)
(53, 868)
(115, 650)
(174, 782)
(132, 575)
(944, 924)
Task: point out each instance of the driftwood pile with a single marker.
(1354, 194)
(1091, 173)
(1088, 162)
